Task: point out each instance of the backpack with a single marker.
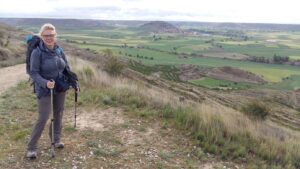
(33, 42)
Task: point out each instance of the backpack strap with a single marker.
(60, 53)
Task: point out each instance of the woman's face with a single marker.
(49, 38)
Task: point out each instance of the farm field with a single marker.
(217, 49)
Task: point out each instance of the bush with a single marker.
(114, 66)
(4, 54)
(256, 110)
(88, 72)
(107, 100)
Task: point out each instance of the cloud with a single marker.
(87, 12)
(201, 10)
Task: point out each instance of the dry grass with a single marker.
(100, 78)
(219, 129)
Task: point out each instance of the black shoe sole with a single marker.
(31, 158)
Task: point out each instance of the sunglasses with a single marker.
(49, 36)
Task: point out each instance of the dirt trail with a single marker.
(126, 141)
(10, 76)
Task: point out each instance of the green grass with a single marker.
(294, 57)
(221, 84)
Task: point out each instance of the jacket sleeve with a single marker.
(35, 62)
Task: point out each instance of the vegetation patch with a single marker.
(256, 110)
(221, 84)
(168, 72)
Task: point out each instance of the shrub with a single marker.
(4, 54)
(256, 110)
(88, 72)
(114, 66)
(107, 100)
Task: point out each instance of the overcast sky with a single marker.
(257, 11)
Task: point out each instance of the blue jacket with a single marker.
(45, 64)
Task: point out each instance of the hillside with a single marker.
(159, 27)
(12, 45)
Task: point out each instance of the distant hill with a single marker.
(239, 26)
(159, 27)
(62, 24)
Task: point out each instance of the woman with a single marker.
(47, 65)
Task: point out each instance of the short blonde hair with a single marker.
(47, 26)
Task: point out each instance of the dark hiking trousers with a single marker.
(44, 113)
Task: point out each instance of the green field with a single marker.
(174, 49)
(261, 50)
(221, 84)
(294, 57)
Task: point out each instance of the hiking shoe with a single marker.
(31, 154)
(59, 145)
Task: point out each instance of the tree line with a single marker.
(275, 59)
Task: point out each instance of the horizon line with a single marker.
(275, 23)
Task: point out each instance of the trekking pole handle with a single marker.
(51, 80)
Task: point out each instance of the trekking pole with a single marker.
(52, 126)
(75, 107)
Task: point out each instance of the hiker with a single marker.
(46, 69)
